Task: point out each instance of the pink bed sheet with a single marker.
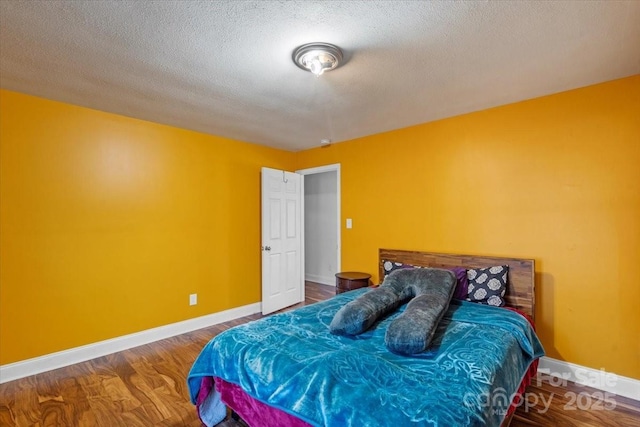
(252, 411)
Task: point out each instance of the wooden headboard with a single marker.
(520, 284)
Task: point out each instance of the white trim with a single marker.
(303, 288)
(48, 362)
(599, 379)
(325, 280)
(330, 168)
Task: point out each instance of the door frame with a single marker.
(312, 171)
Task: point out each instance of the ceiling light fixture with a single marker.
(317, 57)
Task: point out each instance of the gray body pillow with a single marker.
(430, 291)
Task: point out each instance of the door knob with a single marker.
(266, 248)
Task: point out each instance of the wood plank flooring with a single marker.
(146, 386)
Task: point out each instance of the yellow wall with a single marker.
(556, 179)
(109, 223)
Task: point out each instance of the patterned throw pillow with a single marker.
(488, 285)
(390, 266)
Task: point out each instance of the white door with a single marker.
(282, 253)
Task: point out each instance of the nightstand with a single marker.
(350, 280)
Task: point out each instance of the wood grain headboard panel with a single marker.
(520, 284)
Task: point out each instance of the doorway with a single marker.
(321, 223)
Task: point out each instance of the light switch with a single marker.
(349, 223)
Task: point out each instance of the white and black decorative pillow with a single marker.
(488, 285)
(390, 266)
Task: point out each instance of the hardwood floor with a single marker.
(145, 386)
(574, 405)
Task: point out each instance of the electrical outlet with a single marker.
(193, 299)
(349, 223)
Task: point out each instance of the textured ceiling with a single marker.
(224, 67)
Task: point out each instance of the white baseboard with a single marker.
(25, 368)
(599, 379)
(325, 280)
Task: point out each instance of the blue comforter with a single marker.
(290, 361)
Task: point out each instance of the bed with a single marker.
(289, 370)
